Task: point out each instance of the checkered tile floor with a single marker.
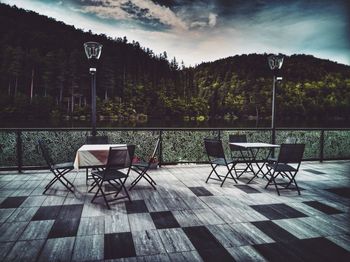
(185, 219)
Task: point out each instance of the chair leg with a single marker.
(122, 183)
(274, 181)
(292, 179)
(142, 174)
(87, 176)
(102, 193)
(270, 179)
(59, 176)
(228, 173)
(296, 185)
(213, 167)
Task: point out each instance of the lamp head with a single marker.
(275, 61)
(93, 50)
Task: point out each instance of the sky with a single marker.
(196, 31)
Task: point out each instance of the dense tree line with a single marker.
(44, 73)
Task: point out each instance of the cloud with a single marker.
(139, 10)
(203, 30)
(212, 19)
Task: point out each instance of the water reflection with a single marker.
(221, 123)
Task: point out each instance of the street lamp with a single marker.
(275, 63)
(93, 52)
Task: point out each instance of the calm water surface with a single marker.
(44, 123)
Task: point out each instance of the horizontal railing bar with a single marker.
(175, 129)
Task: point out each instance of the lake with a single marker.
(217, 123)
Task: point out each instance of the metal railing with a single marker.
(178, 145)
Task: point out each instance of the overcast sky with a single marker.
(206, 30)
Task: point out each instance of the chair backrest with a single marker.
(45, 152)
(120, 157)
(214, 148)
(291, 153)
(94, 140)
(237, 139)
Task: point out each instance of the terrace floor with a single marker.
(185, 219)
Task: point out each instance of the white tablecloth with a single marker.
(92, 155)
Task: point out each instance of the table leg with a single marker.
(254, 161)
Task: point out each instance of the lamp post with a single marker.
(275, 62)
(93, 52)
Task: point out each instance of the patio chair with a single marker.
(289, 140)
(119, 157)
(243, 154)
(216, 157)
(143, 166)
(287, 165)
(58, 170)
(94, 140)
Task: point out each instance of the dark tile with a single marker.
(278, 211)
(118, 245)
(276, 252)
(287, 211)
(64, 228)
(12, 202)
(216, 255)
(164, 219)
(314, 249)
(47, 213)
(202, 238)
(268, 211)
(323, 207)
(314, 171)
(70, 211)
(208, 247)
(200, 191)
(136, 206)
(324, 249)
(247, 189)
(274, 231)
(341, 191)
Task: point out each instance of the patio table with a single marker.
(90, 156)
(254, 149)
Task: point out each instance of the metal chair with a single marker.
(289, 140)
(287, 165)
(58, 170)
(142, 167)
(216, 157)
(119, 158)
(94, 140)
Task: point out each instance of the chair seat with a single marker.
(272, 159)
(140, 164)
(221, 161)
(110, 174)
(282, 167)
(67, 165)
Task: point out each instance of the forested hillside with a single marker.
(44, 74)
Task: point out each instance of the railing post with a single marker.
(219, 134)
(273, 140)
(160, 152)
(19, 150)
(321, 145)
